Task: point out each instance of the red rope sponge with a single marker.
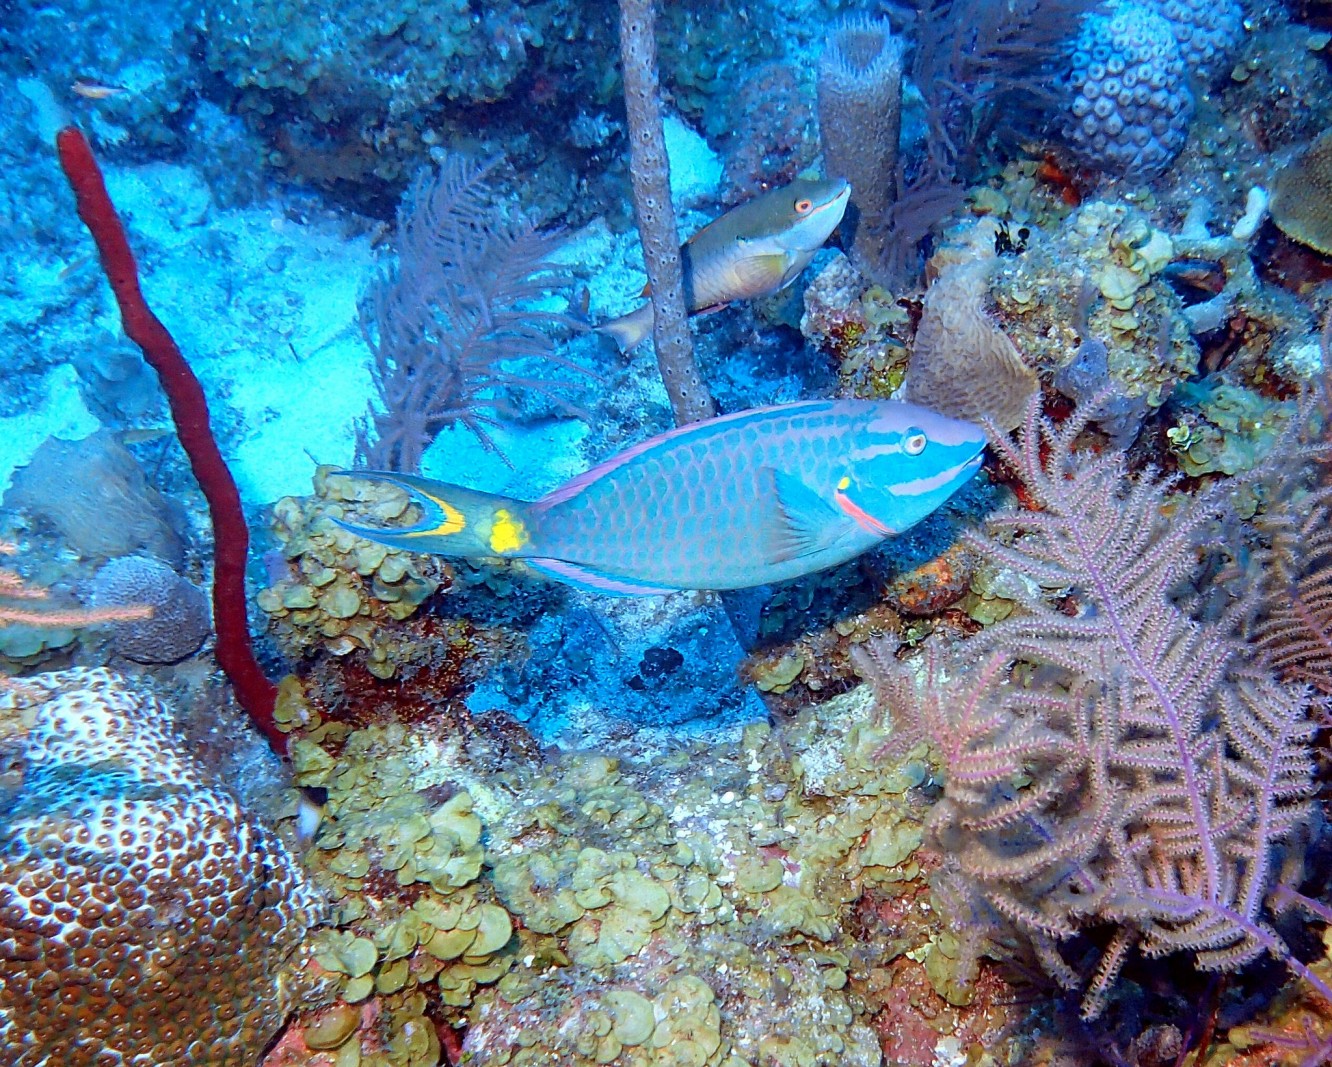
(189, 410)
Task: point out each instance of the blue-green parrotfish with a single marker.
(742, 500)
(755, 249)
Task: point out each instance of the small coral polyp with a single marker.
(144, 918)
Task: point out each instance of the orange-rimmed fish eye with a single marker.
(913, 443)
(804, 206)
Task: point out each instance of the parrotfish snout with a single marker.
(743, 500)
(755, 249)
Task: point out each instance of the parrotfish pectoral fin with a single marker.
(759, 275)
(596, 581)
(863, 518)
(800, 522)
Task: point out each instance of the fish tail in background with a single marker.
(629, 331)
(455, 520)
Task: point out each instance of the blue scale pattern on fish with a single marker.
(746, 499)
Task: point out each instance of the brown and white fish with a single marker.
(95, 90)
(755, 249)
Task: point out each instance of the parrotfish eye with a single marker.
(913, 442)
(804, 206)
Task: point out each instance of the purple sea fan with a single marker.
(1287, 570)
(1164, 773)
(448, 323)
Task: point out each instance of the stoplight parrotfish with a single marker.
(742, 500)
(756, 248)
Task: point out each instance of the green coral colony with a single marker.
(597, 926)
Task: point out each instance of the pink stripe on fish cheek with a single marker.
(863, 518)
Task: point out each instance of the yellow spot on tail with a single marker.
(844, 484)
(507, 534)
(453, 519)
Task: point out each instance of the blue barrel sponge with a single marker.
(860, 120)
(1129, 102)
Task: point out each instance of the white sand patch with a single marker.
(264, 308)
(60, 413)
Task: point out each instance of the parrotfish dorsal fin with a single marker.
(799, 522)
(576, 485)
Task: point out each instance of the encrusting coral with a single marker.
(1099, 276)
(24, 610)
(568, 914)
(144, 917)
(337, 592)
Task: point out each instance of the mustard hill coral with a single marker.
(695, 908)
(1100, 276)
(859, 328)
(403, 866)
(144, 917)
(339, 592)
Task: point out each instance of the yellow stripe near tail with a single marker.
(455, 521)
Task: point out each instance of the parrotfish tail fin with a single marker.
(455, 521)
(629, 331)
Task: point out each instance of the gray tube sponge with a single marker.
(649, 171)
(860, 120)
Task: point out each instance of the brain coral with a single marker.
(145, 920)
(180, 619)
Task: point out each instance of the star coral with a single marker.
(144, 917)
